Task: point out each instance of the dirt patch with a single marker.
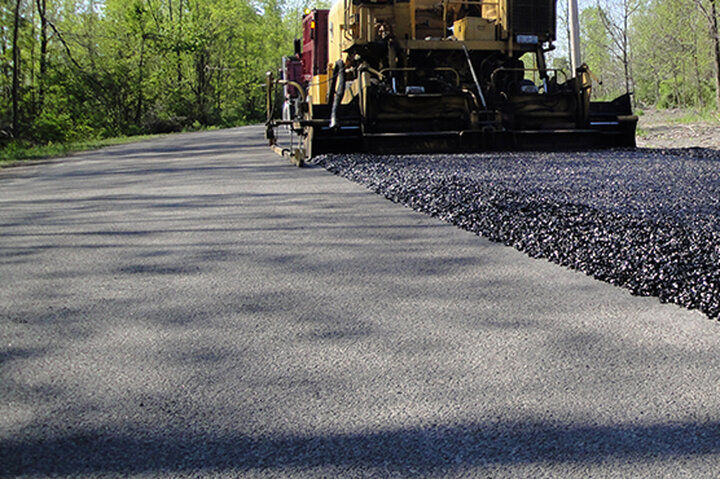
(671, 129)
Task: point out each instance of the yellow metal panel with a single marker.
(504, 20)
(412, 19)
(336, 28)
(319, 88)
(474, 28)
(490, 11)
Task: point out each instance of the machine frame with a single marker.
(406, 76)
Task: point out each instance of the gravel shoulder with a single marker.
(194, 306)
(669, 129)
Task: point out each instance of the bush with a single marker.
(51, 127)
(233, 116)
(160, 124)
(81, 133)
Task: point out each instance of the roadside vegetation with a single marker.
(85, 72)
(21, 150)
(665, 51)
(79, 72)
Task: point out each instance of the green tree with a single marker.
(597, 49)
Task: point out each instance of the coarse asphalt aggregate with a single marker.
(645, 219)
(194, 306)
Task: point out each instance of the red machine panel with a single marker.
(315, 44)
(291, 70)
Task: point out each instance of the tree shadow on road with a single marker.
(428, 450)
(240, 298)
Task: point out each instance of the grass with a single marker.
(641, 132)
(694, 116)
(18, 151)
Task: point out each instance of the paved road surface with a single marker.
(193, 306)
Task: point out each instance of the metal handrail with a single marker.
(299, 87)
(452, 70)
(473, 96)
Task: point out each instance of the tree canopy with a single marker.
(113, 67)
(662, 50)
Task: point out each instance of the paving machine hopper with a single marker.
(406, 76)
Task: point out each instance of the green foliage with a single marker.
(119, 67)
(672, 59)
(122, 67)
(667, 46)
(52, 128)
(596, 45)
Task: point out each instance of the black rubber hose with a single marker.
(339, 79)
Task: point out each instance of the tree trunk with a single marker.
(91, 36)
(42, 8)
(201, 85)
(33, 101)
(139, 107)
(16, 73)
(180, 30)
(625, 48)
(716, 43)
(698, 75)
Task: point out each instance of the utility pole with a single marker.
(574, 36)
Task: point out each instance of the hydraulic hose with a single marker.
(338, 92)
(475, 78)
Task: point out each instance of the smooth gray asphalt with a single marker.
(195, 306)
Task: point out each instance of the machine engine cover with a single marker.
(533, 17)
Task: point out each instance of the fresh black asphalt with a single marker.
(645, 219)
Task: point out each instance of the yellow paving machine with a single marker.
(406, 76)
